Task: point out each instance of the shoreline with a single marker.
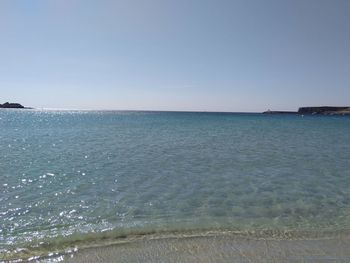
(216, 248)
(221, 244)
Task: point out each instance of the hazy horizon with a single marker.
(166, 110)
(226, 56)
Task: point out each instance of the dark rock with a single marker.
(8, 105)
(324, 110)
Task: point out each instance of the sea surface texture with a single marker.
(71, 176)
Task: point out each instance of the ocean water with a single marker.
(73, 178)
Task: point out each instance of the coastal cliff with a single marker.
(8, 105)
(322, 110)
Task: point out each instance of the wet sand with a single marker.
(222, 248)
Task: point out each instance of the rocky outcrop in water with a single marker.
(323, 110)
(8, 105)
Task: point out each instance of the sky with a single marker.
(186, 55)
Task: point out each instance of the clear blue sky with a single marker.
(219, 55)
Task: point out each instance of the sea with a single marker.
(79, 179)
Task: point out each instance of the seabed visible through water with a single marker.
(218, 248)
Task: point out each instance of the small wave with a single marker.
(61, 246)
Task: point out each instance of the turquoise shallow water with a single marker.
(70, 175)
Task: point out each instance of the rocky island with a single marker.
(322, 110)
(8, 105)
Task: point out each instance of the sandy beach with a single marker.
(219, 248)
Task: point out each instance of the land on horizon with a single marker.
(319, 110)
(8, 105)
(315, 110)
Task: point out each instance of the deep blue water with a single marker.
(69, 173)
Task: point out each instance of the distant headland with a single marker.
(8, 105)
(323, 110)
